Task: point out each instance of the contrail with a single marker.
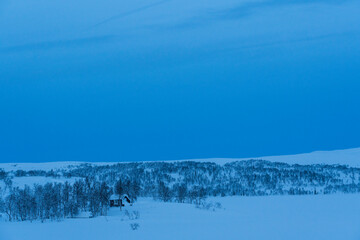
(46, 45)
(125, 14)
(300, 40)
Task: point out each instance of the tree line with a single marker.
(62, 200)
(189, 182)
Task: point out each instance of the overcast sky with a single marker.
(134, 80)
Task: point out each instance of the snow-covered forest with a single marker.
(88, 187)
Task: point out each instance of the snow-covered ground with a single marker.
(46, 166)
(349, 157)
(329, 217)
(30, 181)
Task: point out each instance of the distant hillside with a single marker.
(65, 190)
(349, 157)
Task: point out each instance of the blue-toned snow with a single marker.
(321, 217)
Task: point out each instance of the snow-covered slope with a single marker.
(46, 166)
(320, 217)
(349, 157)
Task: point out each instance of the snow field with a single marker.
(273, 217)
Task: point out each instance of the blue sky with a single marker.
(149, 80)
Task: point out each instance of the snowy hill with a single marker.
(312, 173)
(349, 157)
(197, 199)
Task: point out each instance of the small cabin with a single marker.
(119, 200)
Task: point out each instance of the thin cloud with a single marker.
(237, 12)
(46, 45)
(298, 40)
(128, 13)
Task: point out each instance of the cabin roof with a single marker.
(117, 197)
